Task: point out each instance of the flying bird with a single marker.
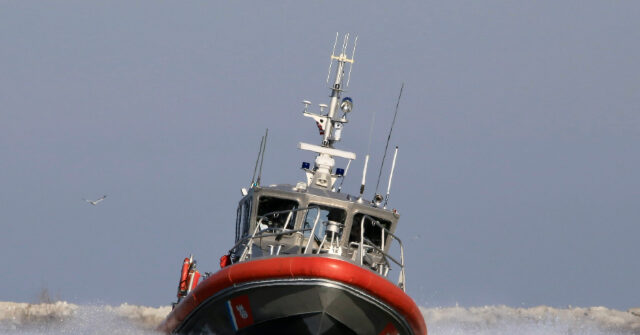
(95, 202)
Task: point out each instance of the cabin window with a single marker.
(242, 220)
(326, 214)
(372, 232)
(276, 212)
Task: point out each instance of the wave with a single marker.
(67, 318)
(531, 321)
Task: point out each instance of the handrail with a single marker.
(313, 231)
(401, 277)
(284, 230)
(279, 231)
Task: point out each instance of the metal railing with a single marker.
(385, 255)
(360, 246)
(273, 231)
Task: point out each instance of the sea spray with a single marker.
(66, 318)
(541, 320)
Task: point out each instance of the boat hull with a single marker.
(296, 295)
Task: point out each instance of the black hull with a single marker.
(301, 306)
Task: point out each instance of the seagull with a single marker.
(95, 202)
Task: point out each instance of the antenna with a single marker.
(393, 166)
(329, 124)
(306, 105)
(366, 159)
(343, 56)
(346, 170)
(364, 175)
(353, 56)
(264, 148)
(255, 168)
(389, 137)
(331, 58)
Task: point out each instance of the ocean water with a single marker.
(66, 318)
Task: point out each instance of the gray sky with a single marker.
(518, 129)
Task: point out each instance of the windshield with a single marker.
(242, 221)
(372, 232)
(326, 214)
(276, 212)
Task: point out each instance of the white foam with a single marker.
(532, 321)
(66, 318)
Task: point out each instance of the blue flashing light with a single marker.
(306, 165)
(340, 172)
(346, 105)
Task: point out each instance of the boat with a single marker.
(307, 258)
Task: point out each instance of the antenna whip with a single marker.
(264, 148)
(255, 168)
(366, 160)
(389, 137)
(393, 166)
(344, 175)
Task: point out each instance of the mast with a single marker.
(342, 59)
(330, 125)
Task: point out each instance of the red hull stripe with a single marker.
(299, 267)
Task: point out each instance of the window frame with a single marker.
(382, 221)
(320, 206)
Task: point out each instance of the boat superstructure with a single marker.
(307, 258)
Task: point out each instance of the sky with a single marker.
(517, 177)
